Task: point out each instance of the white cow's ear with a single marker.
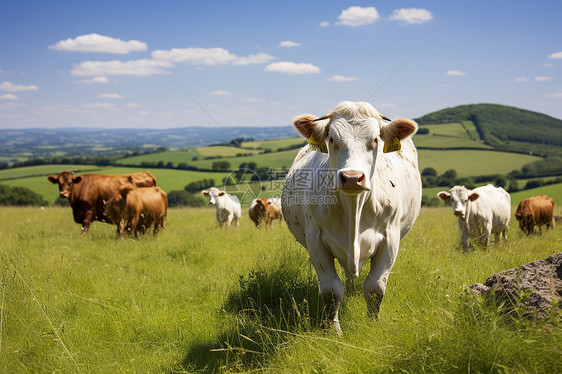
(398, 128)
(473, 196)
(205, 192)
(444, 195)
(308, 127)
(222, 193)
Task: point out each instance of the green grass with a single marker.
(449, 129)
(275, 144)
(223, 151)
(431, 141)
(471, 163)
(172, 156)
(201, 299)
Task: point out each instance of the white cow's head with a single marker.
(353, 134)
(458, 196)
(213, 194)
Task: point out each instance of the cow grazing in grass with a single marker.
(135, 209)
(535, 211)
(355, 202)
(256, 212)
(228, 206)
(88, 193)
(271, 209)
(481, 212)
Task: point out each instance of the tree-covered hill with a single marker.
(505, 128)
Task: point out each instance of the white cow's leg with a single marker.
(331, 286)
(229, 218)
(486, 233)
(374, 286)
(464, 235)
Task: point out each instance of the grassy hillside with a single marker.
(500, 125)
(207, 300)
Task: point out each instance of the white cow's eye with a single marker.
(331, 139)
(373, 143)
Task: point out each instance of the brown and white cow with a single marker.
(271, 210)
(256, 212)
(535, 211)
(136, 209)
(87, 193)
(355, 202)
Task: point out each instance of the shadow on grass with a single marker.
(271, 304)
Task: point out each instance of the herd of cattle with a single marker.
(372, 201)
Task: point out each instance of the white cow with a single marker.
(228, 206)
(353, 203)
(481, 212)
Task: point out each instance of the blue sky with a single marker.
(165, 64)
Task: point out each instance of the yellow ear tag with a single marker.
(392, 146)
(317, 145)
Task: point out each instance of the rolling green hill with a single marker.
(504, 128)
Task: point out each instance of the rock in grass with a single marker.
(538, 285)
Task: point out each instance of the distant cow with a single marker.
(481, 212)
(136, 209)
(256, 212)
(346, 199)
(271, 209)
(535, 211)
(88, 192)
(228, 206)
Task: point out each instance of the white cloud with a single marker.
(542, 79)
(411, 15)
(521, 79)
(260, 58)
(10, 87)
(109, 106)
(115, 67)
(132, 105)
(8, 97)
(111, 96)
(548, 65)
(288, 43)
(325, 24)
(341, 78)
(358, 16)
(95, 80)
(455, 73)
(220, 93)
(294, 68)
(99, 44)
(554, 95)
(208, 57)
(556, 55)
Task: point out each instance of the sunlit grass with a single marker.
(202, 299)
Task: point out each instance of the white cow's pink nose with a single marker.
(459, 213)
(352, 179)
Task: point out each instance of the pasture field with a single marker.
(274, 144)
(470, 163)
(433, 141)
(203, 300)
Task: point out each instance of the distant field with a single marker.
(435, 141)
(274, 145)
(470, 163)
(449, 129)
(274, 160)
(172, 156)
(223, 151)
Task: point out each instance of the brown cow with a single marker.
(88, 192)
(271, 210)
(256, 212)
(135, 210)
(535, 211)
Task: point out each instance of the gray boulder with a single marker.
(537, 284)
